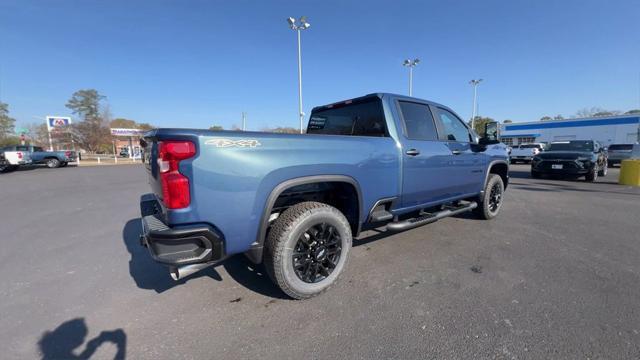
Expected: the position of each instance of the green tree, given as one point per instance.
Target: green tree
(546, 118)
(634, 111)
(91, 132)
(479, 124)
(558, 117)
(282, 130)
(216, 128)
(123, 124)
(507, 121)
(145, 126)
(7, 123)
(9, 140)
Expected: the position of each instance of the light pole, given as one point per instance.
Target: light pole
(304, 25)
(244, 121)
(475, 84)
(411, 64)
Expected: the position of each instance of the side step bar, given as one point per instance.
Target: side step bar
(430, 217)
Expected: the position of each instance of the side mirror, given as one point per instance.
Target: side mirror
(491, 134)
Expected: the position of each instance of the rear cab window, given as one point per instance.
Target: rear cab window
(357, 118)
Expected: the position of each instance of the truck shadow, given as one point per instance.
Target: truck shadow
(150, 275)
(64, 341)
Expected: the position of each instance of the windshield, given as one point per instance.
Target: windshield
(530, 146)
(362, 119)
(621, 147)
(571, 146)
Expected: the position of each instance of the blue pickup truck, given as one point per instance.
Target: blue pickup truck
(295, 201)
(52, 159)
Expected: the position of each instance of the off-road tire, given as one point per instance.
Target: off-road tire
(283, 236)
(484, 210)
(53, 163)
(592, 176)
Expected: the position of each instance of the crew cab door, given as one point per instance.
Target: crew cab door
(425, 159)
(466, 167)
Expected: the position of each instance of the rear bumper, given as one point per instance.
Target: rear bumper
(180, 245)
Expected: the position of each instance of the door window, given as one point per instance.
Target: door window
(454, 129)
(418, 121)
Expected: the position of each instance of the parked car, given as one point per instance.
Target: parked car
(124, 153)
(52, 159)
(573, 158)
(526, 152)
(14, 159)
(295, 201)
(619, 152)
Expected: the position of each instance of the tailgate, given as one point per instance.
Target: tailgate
(149, 145)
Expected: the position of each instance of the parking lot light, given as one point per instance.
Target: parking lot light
(411, 64)
(475, 84)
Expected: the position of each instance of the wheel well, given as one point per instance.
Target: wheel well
(341, 195)
(502, 170)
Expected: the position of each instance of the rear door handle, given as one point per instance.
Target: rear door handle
(413, 152)
(456, 152)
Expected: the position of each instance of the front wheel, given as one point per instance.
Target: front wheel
(490, 202)
(592, 176)
(307, 249)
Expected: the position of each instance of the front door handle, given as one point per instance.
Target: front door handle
(413, 152)
(456, 152)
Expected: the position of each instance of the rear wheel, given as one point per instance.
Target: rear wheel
(491, 201)
(53, 163)
(307, 249)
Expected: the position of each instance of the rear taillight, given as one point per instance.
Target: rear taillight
(175, 186)
(67, 154)
(19, 155)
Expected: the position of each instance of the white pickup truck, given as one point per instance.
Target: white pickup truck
(13, 159)
(526, 152)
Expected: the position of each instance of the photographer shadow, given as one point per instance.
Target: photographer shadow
(63, 341)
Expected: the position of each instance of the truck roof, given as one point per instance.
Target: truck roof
(379, 95)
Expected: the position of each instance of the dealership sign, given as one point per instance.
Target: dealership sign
(127, 132)
(56, 122)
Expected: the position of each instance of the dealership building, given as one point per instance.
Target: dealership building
(620, 129)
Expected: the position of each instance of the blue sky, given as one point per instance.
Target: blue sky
(198, 63)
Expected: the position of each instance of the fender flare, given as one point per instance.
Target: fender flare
(255, 252)
(492, 164)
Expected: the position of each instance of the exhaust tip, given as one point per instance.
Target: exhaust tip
(175, 273)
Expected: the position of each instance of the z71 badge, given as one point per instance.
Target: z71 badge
(224, 143)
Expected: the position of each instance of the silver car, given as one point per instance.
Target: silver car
(619, 152)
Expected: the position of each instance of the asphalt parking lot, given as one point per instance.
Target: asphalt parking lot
(557, 275)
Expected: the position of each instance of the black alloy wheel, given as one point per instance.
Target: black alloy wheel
(495, 198)
(317, 252)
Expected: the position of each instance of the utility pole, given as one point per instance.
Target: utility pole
(475, 84)
(304, 25)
